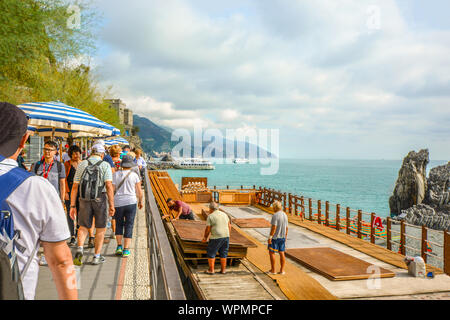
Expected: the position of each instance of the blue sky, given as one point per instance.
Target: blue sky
(350, 79)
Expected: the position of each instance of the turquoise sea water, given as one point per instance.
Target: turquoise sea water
(358, 184)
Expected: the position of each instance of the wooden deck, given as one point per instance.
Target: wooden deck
(368, 248)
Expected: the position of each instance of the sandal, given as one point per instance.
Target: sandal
(208, 272)
(272, 273)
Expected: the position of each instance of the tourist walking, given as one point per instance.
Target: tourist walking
(114, 152)
(71, 166)
(52, 170)
(142, 165)
(277, 237)
(128, 195)
(32, 209)
(182, 210)
(93, 178)
(218, 225)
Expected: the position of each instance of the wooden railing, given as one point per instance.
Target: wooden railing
(353, 223)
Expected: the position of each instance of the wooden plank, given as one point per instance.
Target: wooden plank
(335, 265)
(252, 223)
(194, 231)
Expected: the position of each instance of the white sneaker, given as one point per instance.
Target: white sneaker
(42, 261)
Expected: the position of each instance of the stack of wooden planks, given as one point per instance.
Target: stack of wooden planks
(252, 223)
(189, 235)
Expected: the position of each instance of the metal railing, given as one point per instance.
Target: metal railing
(165, 279)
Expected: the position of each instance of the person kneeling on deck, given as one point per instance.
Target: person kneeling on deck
(182, 209)
(31, 213)
(219, 226)
(278, 235)
(94, 177)
(127, 185)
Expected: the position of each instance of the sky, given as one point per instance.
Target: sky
(348, 79)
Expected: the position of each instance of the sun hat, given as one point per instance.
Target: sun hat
(13, 126)
(128, 162)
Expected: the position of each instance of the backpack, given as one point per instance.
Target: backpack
(91, 184)
(10, 275)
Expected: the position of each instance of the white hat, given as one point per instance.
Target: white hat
(98, 148)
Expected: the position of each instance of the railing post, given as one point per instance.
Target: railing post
(242, 187)
(447, 252)
(319, 211)
(310, 209)
(254, 187)
(302, 204)
(327, 213)
(402, 237)
(284, 196)
(372, 228)
(423, 251)
(359, 223)
(338, 218)
(290, 203)
(228, 187)
(388, 233)
(347, 214)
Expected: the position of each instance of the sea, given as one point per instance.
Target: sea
(359, 184)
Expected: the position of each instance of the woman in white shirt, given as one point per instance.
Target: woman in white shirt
(128, 195)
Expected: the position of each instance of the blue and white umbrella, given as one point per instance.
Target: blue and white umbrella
(113, 142)
(58, 119)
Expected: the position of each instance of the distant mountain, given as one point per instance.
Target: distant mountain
(157, 138)
(154, 137)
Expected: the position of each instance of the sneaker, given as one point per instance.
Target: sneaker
(72, 242)
(119, 251)
(91, 243)
(42, 261)
(78, 258)
(98, 260)
(126, 253)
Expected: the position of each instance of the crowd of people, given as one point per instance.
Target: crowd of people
(54, 205)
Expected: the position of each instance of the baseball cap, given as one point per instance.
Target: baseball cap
(98, 148)
(13, 126)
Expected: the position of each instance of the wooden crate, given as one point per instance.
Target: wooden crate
(201, 197)
(235, 198)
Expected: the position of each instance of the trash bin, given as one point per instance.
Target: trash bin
(416, 266)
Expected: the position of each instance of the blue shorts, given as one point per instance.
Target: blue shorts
(277, 245)
(220, 245)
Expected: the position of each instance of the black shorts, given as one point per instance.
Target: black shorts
(91, 209)
(189, 216)
(221, 245)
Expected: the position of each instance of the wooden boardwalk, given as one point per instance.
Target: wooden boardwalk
(368, 248)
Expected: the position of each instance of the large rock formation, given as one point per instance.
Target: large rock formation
(433, 210)
(438, 194)
(411, 183)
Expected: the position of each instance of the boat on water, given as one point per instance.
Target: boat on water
(193, 164)
(240, 161)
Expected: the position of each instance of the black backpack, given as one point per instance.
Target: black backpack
(91, 184)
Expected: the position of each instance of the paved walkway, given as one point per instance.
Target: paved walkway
(116, 279)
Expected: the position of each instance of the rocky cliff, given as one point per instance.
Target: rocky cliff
(418, 200)
(411, 183)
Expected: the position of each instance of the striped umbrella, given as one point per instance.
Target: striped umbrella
(58, 119)
(119, 140)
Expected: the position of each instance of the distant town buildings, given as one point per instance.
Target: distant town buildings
(125, 115)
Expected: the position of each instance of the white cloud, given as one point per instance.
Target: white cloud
(310, 68)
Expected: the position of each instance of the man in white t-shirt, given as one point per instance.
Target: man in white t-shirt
(37, 211)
